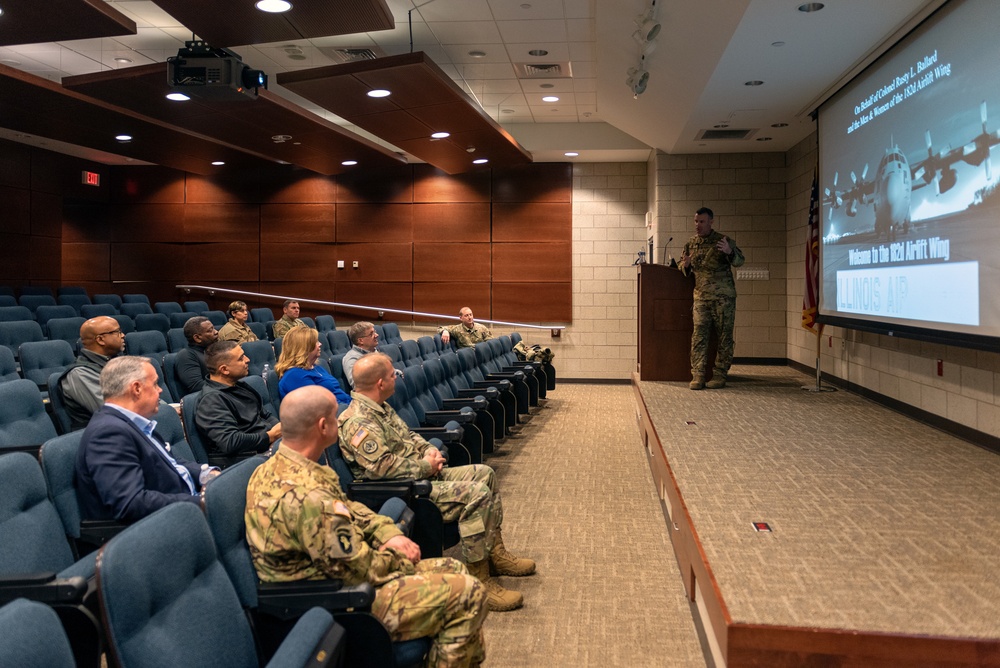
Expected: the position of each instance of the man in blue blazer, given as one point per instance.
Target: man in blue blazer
(123, 470)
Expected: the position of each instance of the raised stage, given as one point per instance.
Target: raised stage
(885, 541)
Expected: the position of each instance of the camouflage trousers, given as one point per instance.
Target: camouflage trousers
(717, 314)
(466, 494)
(440, 600)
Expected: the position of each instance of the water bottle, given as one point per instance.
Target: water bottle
(265, 371)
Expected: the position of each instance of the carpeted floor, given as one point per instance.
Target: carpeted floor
(579, 499)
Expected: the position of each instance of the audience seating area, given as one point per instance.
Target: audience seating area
(471, 400)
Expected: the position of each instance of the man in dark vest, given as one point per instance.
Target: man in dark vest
(102, 339)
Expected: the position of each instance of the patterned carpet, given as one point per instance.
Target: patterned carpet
(579, 499)
(880, 523)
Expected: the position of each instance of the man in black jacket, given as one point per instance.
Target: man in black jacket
(231, 417)
(190, 364)
(102, 340)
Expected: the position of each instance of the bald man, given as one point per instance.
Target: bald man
(468, 332)
(301, 526)
(102, 339)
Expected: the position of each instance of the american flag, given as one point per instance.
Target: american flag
(810, 297)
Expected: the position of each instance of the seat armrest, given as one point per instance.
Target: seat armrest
(439, 418)
(525, 369)
(487, 393)
(444, 434)
(43, 587)
(376, 492)
(500, 384)
(475, 403)
(289, 600)
(516, 375)
(99, 532)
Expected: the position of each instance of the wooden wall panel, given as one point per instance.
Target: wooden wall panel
(235, 186)
(385, 185)
(321, 290)
(537, 182)
(387, 262)
(220, 301)
(157, 290)
(514, 263)
(436, 262)
(146, 223)
(533, 302)
(374, 223)
(283, 223)
(46, 215)
(299, 186)
(15, 258)
(62, 175)
(150, 184)
(85, 222)
(433, 185)
(221, 222)
(451, 222)
(15, 216)
(298, 263)
(15, 164)
(387, 295)
(86, 262)
(535, 221)
(447, 298)
(46, 259)
(212, 263)
(147, 262)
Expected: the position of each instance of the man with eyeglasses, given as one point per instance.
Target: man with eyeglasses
(365, 339)
(102, 340)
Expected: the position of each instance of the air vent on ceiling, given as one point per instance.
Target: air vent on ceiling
(726, 134)
(343, 54)
(544, 70)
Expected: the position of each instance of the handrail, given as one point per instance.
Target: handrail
(376, 309)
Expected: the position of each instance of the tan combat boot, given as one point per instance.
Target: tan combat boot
(498, 599)
(697, 383)
(718, 380)
(503, 562)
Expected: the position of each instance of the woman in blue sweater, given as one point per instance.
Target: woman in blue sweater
(297, 366)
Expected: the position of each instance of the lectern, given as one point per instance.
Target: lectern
(665, 323)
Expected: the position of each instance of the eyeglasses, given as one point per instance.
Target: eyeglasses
(113, 331)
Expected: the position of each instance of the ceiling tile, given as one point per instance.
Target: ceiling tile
(465, 32)
(540, 32)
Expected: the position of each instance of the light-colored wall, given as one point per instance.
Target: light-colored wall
(967, 392)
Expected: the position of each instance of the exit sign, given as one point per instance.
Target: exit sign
(91, 178)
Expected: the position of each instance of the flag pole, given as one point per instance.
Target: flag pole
(810, 296)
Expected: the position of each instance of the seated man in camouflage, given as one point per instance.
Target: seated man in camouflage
(467, 333)
(301, 526)
(289, 318)
(378, 445)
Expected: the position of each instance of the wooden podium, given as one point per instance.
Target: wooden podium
(665, 323)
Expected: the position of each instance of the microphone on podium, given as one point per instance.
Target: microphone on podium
(672, 262)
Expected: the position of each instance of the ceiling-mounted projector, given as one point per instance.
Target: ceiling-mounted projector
(203, 71)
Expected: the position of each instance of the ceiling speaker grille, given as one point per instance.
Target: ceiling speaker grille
(351, 55)
(544, 70)
(726, 134)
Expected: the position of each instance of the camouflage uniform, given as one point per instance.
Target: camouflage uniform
(234, 331)
(282, 326)
(301, 526)
(468, 338)
(378, 445)
(714, 299)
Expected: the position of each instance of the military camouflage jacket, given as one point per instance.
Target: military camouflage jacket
(468, 338)
(234, 331)
(378, 445)
(301, 526)
(713, 276)
(282, 326)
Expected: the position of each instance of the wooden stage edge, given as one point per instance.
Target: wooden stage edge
(741, 645)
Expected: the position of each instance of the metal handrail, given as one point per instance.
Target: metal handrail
(378, 310)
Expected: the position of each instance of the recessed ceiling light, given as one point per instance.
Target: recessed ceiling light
(550, 98)
(720, 126)
(538, 53)
(349, 163)
(280, 139)
(123, 59)
(763, 139)
(123, 138)
(779, 125)
(218, 163)
(506, 111)
(526, 5)
(441, 135)
(177, 97)
(811, 7)
(480, 161)
(477, 54)
(378, 92)
(546, 85)
(273, 6)
(777, 43)
(755, 82)
(571, 154)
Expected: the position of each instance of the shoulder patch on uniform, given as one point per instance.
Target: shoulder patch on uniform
(359, 436)
(369, 447)
(344, 538)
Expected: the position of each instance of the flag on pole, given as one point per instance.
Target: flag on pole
(810, 297)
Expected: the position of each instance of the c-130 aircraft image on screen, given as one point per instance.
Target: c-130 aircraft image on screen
(896, 178)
